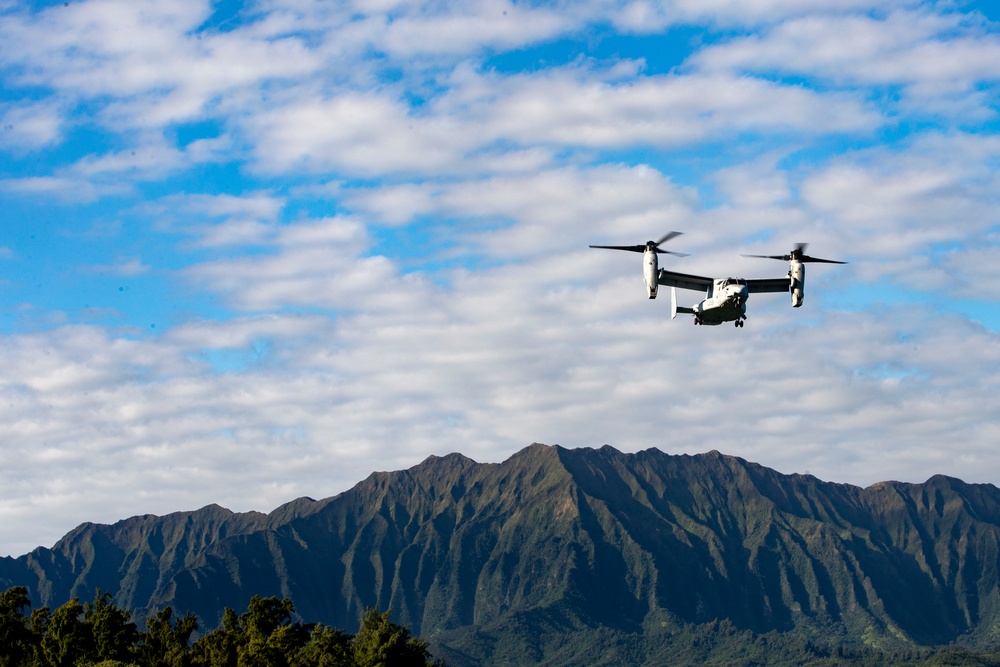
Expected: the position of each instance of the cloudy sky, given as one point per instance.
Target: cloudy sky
(255, 251)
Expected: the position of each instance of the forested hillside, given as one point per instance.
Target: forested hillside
(591, 556)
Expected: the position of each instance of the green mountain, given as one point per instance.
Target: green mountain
(560, 556)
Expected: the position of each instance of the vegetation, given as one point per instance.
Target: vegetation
(719, 644)
(553, 557)
(100, 634)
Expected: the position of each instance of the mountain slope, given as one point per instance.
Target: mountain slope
(560, 555)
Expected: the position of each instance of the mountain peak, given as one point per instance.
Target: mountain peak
(554, 540)
(453, 460)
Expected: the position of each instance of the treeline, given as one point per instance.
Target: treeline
(98, 633)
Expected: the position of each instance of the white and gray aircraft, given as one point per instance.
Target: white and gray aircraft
(726, 298)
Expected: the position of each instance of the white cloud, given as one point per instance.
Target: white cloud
(428, 30)
(317, 264)
(892, 206)
(364, 134)
(115, 173)
(258, 205)
(374, 134)
(130, 267)
(222, 220)
(65, 188)
(972, 272)
(239, 333)
(144, 56)
(30, 126)
(474, 27)
(382, 244)
(757, 184)
(91, 46)
(563, 108)
(756, 12)
(939, 64)
(546, 213)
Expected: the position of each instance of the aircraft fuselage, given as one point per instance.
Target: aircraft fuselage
(726, 303)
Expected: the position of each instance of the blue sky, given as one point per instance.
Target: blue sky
(254, 251)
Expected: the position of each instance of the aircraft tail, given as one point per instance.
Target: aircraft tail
(674, 308)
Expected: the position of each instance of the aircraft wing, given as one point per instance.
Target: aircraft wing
(686, 281)
(757, 285)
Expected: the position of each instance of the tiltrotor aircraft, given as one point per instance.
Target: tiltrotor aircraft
(726, 298)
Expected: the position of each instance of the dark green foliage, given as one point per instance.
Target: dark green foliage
(112, 632)
(67, 639)
(264, 636)
(381, 643)
(16, 637)
(221, 646)
(100, 634)
(327, 647)
(166, 640)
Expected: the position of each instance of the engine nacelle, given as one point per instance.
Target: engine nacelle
(651, 272)
(797, 282)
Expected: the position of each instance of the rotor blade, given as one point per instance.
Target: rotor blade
(667, 237)
(807, 258)
(630, 248)
(798, 253)
(649, 245)
(671, 252)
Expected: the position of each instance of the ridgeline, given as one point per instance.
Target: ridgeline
(583, 556)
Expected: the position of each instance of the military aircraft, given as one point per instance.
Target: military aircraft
(726, 298)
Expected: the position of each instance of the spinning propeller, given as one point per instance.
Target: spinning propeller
(649, 245)
(798, 254)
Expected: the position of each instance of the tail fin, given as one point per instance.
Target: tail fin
(674, 308)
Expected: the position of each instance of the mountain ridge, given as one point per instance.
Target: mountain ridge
(479, 557)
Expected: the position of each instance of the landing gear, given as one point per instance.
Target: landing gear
(738, 324)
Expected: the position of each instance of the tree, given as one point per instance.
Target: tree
(219, 648)
(39, 626)
(16, 639)
(327, 647)
(264, 636)
(66, 640)
(271, 637)
(166, 640)
(381, 643)
(113, 633)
